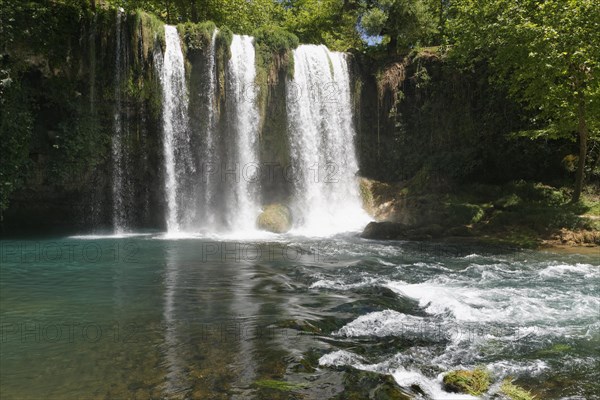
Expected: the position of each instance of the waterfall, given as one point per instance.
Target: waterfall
(241, 190)
(199, 207)
(175, 124)
(223, 181)
(120, 186)
(210, 158)
(322, 150)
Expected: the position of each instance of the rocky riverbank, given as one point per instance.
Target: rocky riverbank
(523, 214)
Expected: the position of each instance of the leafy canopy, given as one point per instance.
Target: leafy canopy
(402, 22)
(545, 51)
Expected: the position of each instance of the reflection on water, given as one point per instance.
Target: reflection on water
(137, 317)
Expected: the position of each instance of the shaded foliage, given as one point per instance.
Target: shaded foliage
(546, 54)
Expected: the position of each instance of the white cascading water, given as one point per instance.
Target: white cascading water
(323, 153)
(211, 127)
(242, 190)
(175, 124)
(321, 135)
(119, 216)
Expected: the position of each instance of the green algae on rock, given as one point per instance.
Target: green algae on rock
(514, 392)
(275, 218)
(474, 382)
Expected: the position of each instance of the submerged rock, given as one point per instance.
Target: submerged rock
(370, 385)
(275, 218)
(279, 385)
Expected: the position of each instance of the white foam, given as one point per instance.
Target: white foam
(432, 387)
(109, 236)
(516, 368)
(249, 235)
(501, 304)
(340, 358)
(339, 284)
(388, 264)
(555, 271)
(404, 377)
(382, 323)
(469, 256)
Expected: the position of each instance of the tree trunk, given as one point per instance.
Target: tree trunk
(583, 136)
(205, 11)
(597, 163)
(442, 23)
(195, 12)
(393, 44)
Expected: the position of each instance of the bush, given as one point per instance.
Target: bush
(275, 39)
(273, 51)
(196, 37)
(223, 44)
(464, 214)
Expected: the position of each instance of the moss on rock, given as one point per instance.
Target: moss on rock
(366, 195)
(152, 28)
(275, 218)
(196, 37)
(474, 382)
(222, 55)
(464, 214)
(273, 48)
(515, 392)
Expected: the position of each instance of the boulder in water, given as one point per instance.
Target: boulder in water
(398, 231)
(358, 384)
(515, 392)
(385, 230)
(474, 382)
(275, 218)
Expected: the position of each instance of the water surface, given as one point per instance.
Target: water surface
(148, 316)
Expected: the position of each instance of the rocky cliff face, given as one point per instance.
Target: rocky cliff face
(424, 112)
(94, 78)
(61, 96)
(65, 86)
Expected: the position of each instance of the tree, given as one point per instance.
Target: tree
(242, 16)
(547, 53)
(330, 22)
(402, 22)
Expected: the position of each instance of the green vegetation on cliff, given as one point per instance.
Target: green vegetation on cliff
(485, 103)
(15, 132)
(273, 54)
(547, 54)
(518, 213)
(196, 37)
(273, 46)
(58, 91)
